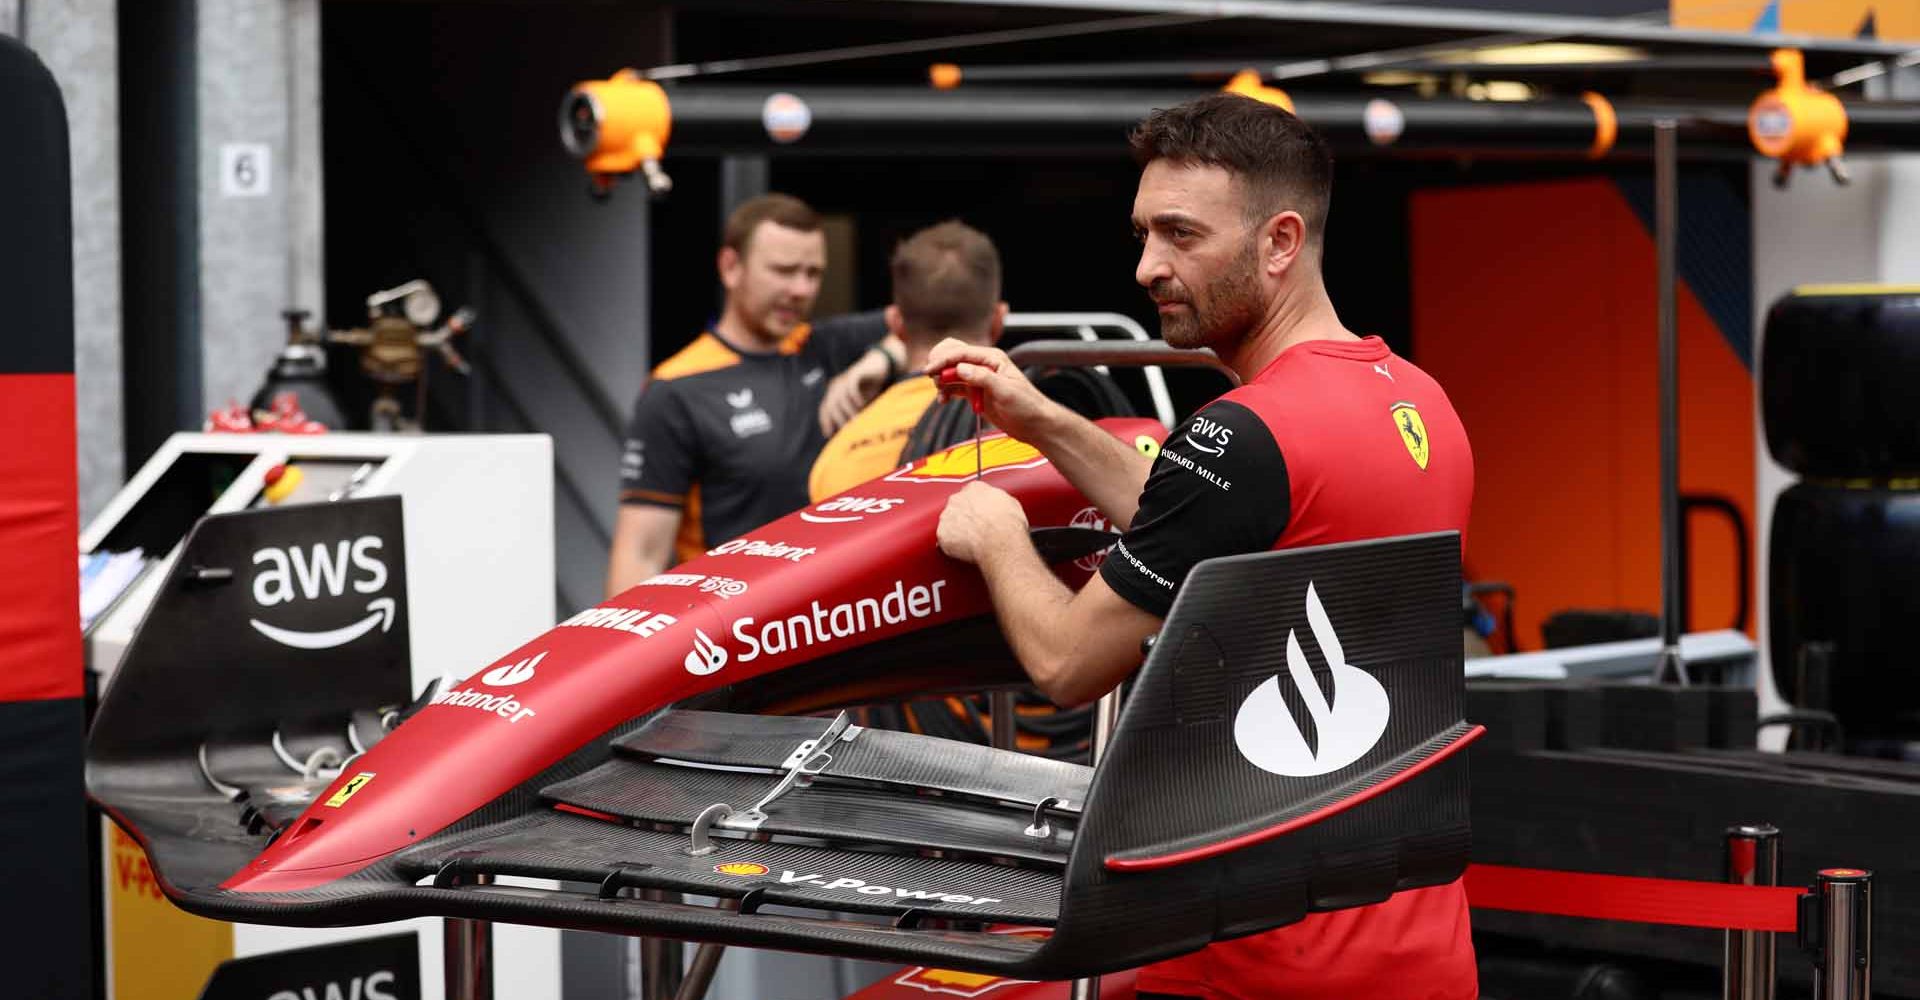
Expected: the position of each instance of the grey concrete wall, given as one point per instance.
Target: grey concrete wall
(445, 163)
(260, 249)
(78, 40)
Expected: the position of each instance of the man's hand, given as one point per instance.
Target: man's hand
(850, 391)
(1007, 399)
(977, 518)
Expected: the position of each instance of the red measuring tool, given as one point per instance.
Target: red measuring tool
(950, 379)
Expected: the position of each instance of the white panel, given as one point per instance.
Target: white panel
(479, 523)
(1814, 232)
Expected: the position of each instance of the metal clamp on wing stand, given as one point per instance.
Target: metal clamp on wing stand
(1285, 689)
(805, 762)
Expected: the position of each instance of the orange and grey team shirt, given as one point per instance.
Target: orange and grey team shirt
(728, 436)
(869, 445)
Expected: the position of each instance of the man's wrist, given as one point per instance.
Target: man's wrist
(1001, 550)
(1051, 426)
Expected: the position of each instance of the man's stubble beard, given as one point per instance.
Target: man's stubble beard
(1232, 308)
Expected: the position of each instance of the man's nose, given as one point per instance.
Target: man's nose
(1152, 267)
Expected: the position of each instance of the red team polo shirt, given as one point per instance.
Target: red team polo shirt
(1335, 441)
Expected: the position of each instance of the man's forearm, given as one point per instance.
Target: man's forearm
(628, 568)
(1032, 606)
(1109, 472)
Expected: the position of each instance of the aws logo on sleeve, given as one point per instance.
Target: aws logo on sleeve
(1213, 436)
(309, 581)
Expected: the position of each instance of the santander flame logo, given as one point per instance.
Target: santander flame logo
(1347, 726)
(707, 656)
(508, 674)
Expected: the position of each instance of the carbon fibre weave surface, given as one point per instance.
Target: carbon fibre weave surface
(877, 755)
(666, 793)
(577, 848)
(1175, 779)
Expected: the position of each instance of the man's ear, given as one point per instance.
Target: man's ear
(997, 325)
(1284, 240)
(896, 324)
(730, 265)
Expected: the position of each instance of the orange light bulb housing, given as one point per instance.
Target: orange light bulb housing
(616, 124)
(1247, 83)
(1796, 123)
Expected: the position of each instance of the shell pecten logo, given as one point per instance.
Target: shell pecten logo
(958, 464)
(741, 868)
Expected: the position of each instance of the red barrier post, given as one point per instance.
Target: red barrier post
(1753, 858)
(1837, 923)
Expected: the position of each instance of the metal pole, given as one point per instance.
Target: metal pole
(468, 956)
(660, 960)
(1666, 203)
(1106, 716)
(1843, 968)
(1753, 858)
(1000, 704)
(706, 961)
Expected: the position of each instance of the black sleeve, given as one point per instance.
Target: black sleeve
(1219, 487)
(660, 460)
(841, 340)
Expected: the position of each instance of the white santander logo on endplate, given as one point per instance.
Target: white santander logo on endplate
(1264, 729)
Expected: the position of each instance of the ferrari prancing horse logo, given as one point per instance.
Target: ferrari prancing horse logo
(1413, 431)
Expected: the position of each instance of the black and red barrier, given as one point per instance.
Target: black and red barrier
(47, 950)
(1832, 920)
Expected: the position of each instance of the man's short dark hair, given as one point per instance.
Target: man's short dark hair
(1280, 161)
(946, 279)
(779, 209)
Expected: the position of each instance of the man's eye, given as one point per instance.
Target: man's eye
(1182, 233)
(1139, 235)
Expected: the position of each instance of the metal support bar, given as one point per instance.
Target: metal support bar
(721, 119)
(660, 966)
(706, 961)
(1106, 717)
(468, 955)
(1753, 858)
(1079, 353)
(1843, 962)
(1087, 325)
(1000, 704)
(1666, 197)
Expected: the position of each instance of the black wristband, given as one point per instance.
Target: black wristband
(893, 367)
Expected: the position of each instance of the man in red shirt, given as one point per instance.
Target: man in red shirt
(1330, 438)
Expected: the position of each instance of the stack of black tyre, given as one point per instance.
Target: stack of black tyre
(1840, 396)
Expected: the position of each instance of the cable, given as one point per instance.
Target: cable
(1867, 71)
(681, 71)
